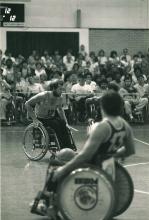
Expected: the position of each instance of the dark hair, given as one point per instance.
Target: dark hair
(81, 75)
(140, 76)
(128, 77)
(112, 103)
(1, 70)
(113, 86)
(113, 52)
(88, 74)
(137, 68)
(103, 81)
(57, 72)
(55, 83)
(109, 75)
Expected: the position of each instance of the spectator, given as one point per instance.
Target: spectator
(114, 59)
(21, 84)
(145, 66)
(88, 68)
(126, 55)
(141, 86)
(70, 80)
(33, 88)
(83, 51)
(5, 96)
(117, 78)
(137, 72)
(132, 100)
(140, 55)
(1, 55)
(31, 59)
(69, 60)
(56, 75)
(8, 55)
(109, 78)
(19, 59)
(43, 81)
(102, 59)
(134, 61)
(57, 58)
(92, 57)
(39, 70)
(89, 81)
(8, 72)
(81, 91)
(76, 68)
(102, 87)
(45, 57)
(25, 70)
(49, 68)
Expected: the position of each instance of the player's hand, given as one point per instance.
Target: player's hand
(36, 122)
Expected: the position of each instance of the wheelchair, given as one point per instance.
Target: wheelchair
(10, 112)
(103, 191)
(37, 141)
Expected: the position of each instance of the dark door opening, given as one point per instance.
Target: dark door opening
(24, 42)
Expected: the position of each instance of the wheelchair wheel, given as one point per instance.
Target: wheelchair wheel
(124, 190)
(35, 142)
(86, 193)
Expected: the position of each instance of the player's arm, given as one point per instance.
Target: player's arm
(129, 141)
(62, 114)
(97, 137)
(30, 104)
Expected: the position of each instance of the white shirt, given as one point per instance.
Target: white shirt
(141, 89)
(78, 89)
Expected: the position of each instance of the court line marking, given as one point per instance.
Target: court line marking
(143, 142)
(140, 191)
(136, 164)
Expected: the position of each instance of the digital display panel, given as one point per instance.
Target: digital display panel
(11, 15)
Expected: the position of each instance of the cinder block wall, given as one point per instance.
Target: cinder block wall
(135, 40)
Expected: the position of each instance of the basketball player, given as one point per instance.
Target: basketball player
(46, 108)
(106, 137)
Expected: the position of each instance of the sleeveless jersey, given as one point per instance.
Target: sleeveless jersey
(48, 106)
(114, 142)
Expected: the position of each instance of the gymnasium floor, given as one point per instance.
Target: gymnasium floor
(22, 179)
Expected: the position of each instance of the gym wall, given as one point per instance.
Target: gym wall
(106, 18)
(94, 13)
(116, 39)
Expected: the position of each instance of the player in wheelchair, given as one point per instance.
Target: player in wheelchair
(46, 109)
(91, 183)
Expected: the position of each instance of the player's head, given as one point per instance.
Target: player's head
(112, 103)
(56, 86)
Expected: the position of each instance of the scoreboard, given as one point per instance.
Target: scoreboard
(12, 15)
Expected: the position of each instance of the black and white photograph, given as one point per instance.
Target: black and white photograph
(74, 109)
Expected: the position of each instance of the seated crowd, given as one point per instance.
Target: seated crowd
(86, 77)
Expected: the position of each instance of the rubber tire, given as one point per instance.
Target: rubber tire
(122, 176)
(45, 149)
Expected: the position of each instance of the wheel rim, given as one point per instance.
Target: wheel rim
(32, 149)
(97, 200)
